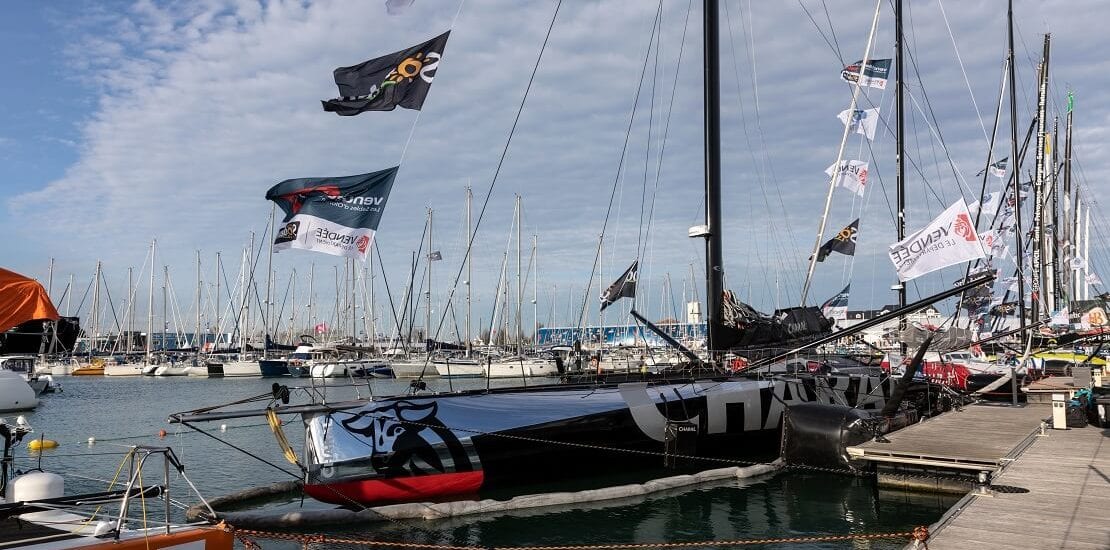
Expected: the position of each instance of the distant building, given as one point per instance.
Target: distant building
(620, 335)
(885, 335)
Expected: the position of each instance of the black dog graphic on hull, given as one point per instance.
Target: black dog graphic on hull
(399, 435)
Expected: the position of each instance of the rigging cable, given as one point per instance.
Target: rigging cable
(497, 171)
(766, 164)
(617, 177)
(666, 128)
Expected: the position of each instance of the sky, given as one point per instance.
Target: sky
(125, 122)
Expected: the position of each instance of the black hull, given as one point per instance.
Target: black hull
(435, 447)
(28, 337)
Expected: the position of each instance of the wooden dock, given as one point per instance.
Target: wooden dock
(1040, 391)
(978, 438)
(1055, 495)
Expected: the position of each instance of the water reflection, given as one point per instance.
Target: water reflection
(785, 505)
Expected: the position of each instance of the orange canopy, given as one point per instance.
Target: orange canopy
(22, 300)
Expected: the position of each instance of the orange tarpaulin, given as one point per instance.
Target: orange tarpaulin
(22, 300)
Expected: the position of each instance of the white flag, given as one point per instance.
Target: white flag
(989, 206)
(1093, 280)
(1009, 219)
(947, 240)
(993, 244)
(862, 121)
(988, 239)
(851, 176)
(1078, 263)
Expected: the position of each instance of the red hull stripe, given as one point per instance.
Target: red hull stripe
(398, 489)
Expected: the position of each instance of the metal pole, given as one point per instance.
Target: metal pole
(536, 293)
(469, 271)
(130, 312)
(428, 293)
(1068, 225)
(219, 272)
(1086, 253)
(50, 279)
(1038, 278)
(150, 304)
(714, 263)
(519, 281)
(196, 328)
(268, 321)
(1052, 288)
(839, 158)
(1015, 171)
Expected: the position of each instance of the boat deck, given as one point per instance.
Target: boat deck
(16, 534)
(976, 438)
(1055, 495)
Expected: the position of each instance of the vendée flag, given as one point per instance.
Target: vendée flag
(874, 75)
(837, 306)
(336, 216)
(852, 175)
(947, 240)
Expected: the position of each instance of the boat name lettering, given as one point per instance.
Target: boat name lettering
(750, 406)
(328, 235)
(930, 242)
(368, 201)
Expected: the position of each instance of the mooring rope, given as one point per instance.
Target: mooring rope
(919, 535)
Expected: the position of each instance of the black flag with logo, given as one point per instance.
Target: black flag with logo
(844, 242)
(381, 84)
(622, 288)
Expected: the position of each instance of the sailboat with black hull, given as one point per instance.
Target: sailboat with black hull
(423, 446)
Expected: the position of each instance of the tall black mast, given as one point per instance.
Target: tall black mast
(1014, 172)
(900, 108)
(714, 269)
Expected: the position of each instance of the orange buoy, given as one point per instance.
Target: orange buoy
(161, 434)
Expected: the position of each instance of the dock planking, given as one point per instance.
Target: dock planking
(977, 437)
(1063, 482)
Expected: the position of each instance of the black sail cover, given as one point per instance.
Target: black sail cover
(743, 326)
(400, 79)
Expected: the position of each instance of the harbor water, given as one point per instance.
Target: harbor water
(125, 411)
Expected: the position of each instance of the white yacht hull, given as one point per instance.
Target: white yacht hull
(459, 369)
(234, 369)
(15, 393)
(131, 369)
(329, 370)
(412, 369)
(516, 368)
(172, 370)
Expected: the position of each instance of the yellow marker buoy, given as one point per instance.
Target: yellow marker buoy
(40, 444)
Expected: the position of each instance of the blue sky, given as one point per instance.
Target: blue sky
(128, 121)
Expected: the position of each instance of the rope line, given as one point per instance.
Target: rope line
(918, 534)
